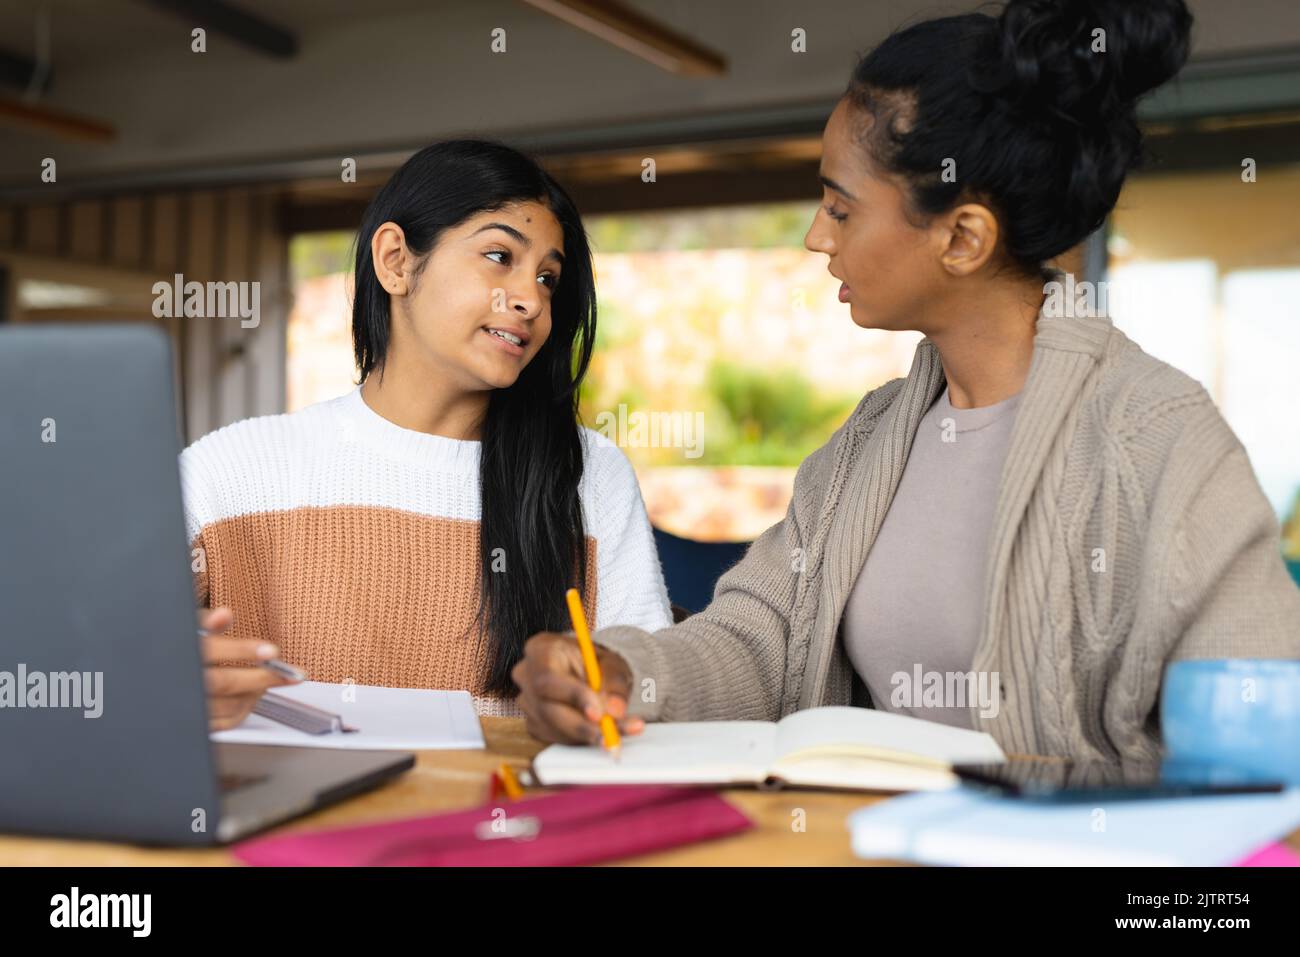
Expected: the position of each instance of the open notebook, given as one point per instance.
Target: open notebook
(843, 748)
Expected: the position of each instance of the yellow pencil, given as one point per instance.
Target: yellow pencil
(509, 782)
(608, 729)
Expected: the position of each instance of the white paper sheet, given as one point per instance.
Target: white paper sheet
(389, 719)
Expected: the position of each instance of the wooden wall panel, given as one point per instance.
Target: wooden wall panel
(126, 231)
(85, 237)
(233, 340)
(41, 229)
(202, 362)
(164, 234)
(160, 251)
(272, 257)
(224, 370)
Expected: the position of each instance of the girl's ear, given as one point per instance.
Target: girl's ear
(969, 235)
(391, 258)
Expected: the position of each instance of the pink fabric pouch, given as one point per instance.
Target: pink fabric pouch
(578, 826)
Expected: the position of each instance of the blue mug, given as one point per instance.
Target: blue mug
(1239, 714)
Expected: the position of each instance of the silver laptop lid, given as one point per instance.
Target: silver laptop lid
(103, 723)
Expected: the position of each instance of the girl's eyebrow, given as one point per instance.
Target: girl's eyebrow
(521, 239)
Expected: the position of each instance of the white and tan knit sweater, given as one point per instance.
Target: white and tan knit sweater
(352, 543)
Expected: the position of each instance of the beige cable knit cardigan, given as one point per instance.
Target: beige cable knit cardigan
(1112, 449)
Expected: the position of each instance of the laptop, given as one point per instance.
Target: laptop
(103, 713)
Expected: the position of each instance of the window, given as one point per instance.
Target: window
(1205, 274)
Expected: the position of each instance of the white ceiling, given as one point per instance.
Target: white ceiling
(394, 74)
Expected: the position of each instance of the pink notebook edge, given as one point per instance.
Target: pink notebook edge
(1275, 854)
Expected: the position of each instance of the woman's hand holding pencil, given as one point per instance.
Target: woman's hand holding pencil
(572, 696)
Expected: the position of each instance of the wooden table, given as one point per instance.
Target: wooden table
(455, 780)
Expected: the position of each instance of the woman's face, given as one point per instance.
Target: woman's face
(888, 267)
(480, 309)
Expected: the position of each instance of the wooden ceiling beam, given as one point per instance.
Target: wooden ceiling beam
(46, 119)
(630, 30)
(245, 28)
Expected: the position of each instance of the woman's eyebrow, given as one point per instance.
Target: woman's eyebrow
(521, 239)
(831, 184)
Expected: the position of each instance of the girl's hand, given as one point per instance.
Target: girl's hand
(233, 691)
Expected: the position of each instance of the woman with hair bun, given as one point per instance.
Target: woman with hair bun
(1025, 531)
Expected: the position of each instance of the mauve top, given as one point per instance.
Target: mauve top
(912, 621)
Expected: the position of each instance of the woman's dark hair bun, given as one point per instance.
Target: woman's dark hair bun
(1085, 59)
(1037, 108)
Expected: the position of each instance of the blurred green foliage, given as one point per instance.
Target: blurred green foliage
(767, 417)
(766, 226)
(320, 254)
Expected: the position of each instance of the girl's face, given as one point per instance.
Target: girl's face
(889, 268)
(480, 308)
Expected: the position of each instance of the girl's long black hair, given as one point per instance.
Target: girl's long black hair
(531, 443)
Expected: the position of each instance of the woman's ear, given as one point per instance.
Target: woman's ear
(970, 235)
(391, 258)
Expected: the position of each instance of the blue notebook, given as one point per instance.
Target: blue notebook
(968, 827)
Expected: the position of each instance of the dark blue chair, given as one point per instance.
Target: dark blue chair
(692, 569)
